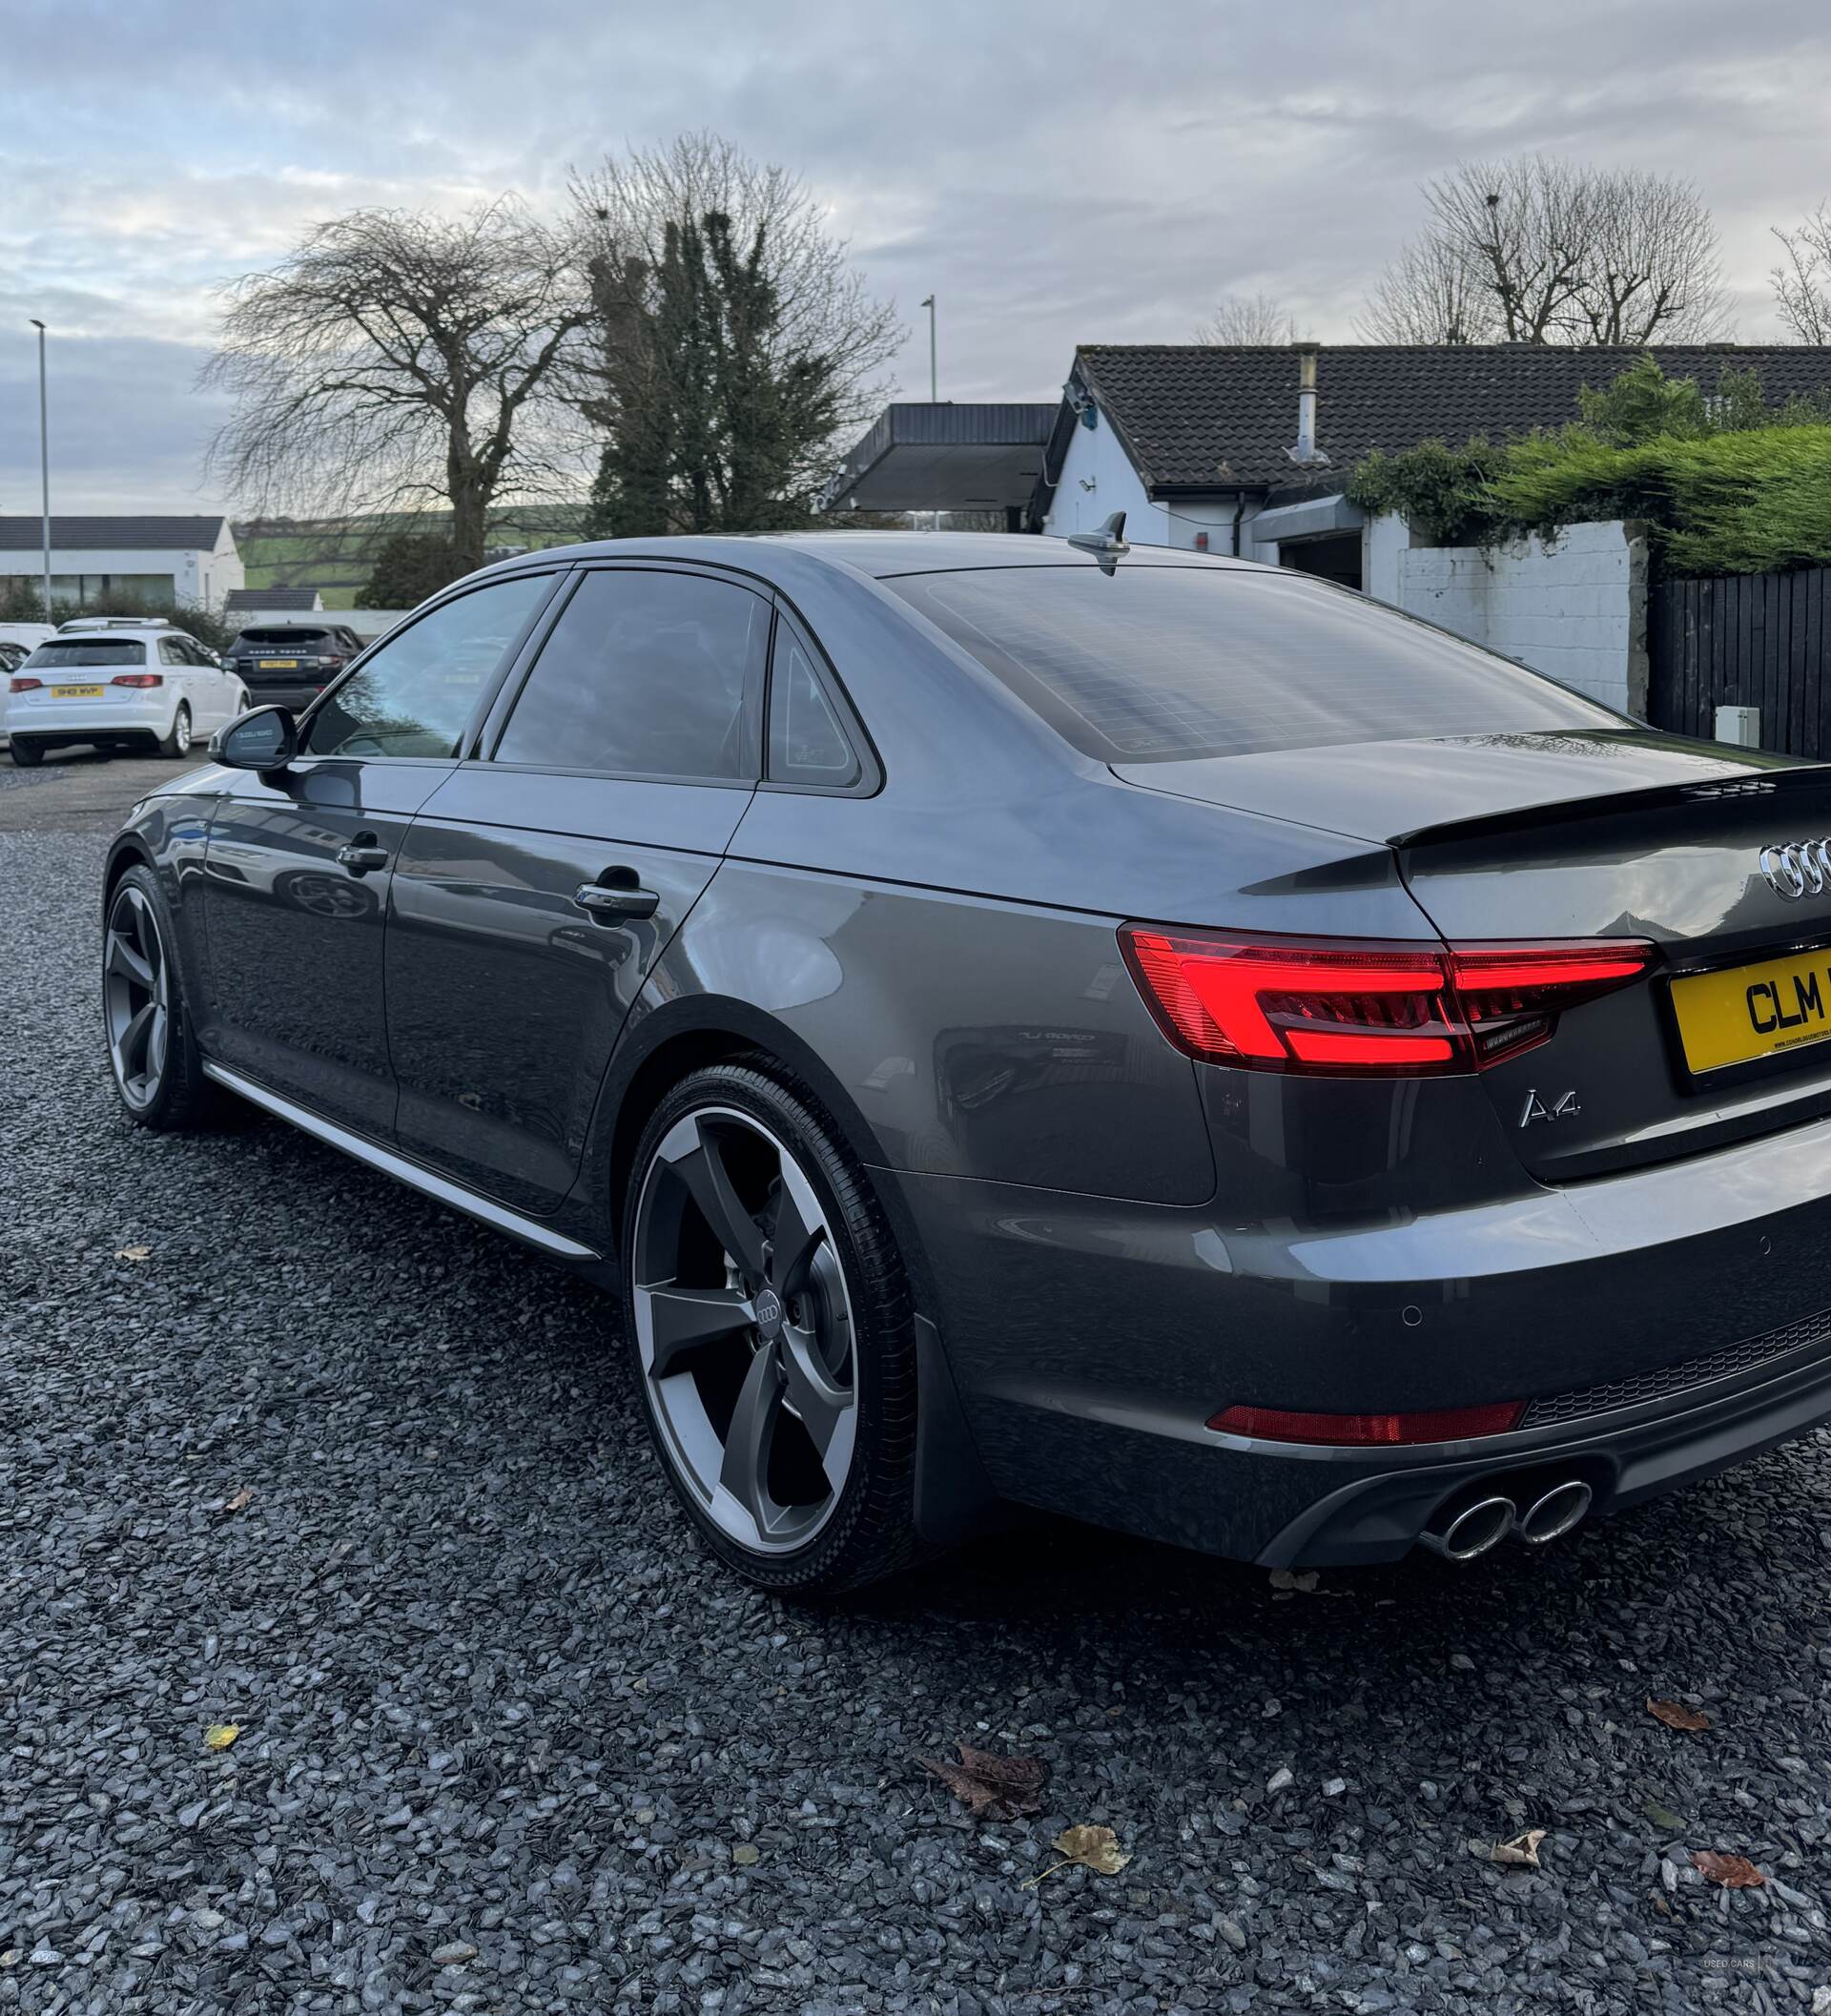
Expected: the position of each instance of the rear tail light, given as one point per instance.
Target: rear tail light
(140, 679)
(1310, 1006)
(23, 686)
(1446, 1424)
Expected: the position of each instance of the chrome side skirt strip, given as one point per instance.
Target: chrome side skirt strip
(526, 1229)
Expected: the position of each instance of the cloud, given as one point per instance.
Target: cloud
(1054, 172)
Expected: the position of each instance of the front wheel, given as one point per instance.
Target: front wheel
(770, 1318)
(179, 742)
(150, 1049)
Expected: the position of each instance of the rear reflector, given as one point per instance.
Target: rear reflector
(1449, 1424)
(1325, 1005)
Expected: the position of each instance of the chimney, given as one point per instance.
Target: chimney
(1307, 454)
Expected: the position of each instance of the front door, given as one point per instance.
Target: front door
(298, 864)
(538, 887)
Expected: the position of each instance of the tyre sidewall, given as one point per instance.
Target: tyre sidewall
(871, 1530)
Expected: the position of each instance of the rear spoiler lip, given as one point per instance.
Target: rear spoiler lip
(1732, 787)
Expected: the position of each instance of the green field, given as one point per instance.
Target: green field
(334, 555)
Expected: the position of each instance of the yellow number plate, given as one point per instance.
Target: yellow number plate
(1747, 1012)
(278, 665)
(76, 693)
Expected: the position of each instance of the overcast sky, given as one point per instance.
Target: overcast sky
(1056, 172)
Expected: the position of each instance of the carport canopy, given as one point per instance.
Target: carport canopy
(944, 458)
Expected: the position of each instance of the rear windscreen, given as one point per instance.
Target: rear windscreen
(1153, 664)
(292, 640)
(89, 650)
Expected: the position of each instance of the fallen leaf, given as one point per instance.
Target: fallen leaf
(1662, 1816)
(240, 1502)
(745, 1853)
(1677, 1716)
(134, 1253)
(990, 1785)
(220, 1735)
(1095, 1848)
(1519, 1853)
(1735, 1872)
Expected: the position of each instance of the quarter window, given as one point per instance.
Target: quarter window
(808, 741)
(648, 674)
(414, 696)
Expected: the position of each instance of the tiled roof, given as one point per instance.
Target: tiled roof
(103, 535)
(239, 599)
(1208, 416)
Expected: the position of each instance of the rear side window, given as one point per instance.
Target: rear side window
(648, 676)
(807, 740)
(89, 650)
(1154, 663)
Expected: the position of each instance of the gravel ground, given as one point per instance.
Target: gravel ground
(337, 1468)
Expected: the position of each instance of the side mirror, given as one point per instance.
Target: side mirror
(265, 738)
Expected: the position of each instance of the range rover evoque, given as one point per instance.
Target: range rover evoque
(1084, 1028)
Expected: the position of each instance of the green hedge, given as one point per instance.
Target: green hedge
(1724, 485)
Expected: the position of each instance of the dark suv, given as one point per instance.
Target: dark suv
(290, 664)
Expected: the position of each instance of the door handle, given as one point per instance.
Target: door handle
(359, 859)
(610, 900)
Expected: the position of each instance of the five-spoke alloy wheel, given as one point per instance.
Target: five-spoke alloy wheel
(136, 1001)
(150, 1049)
(770, 1329)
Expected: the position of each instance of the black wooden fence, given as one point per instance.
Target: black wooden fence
(1744, 640)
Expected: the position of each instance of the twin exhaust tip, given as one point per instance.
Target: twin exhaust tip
(1469, 1531)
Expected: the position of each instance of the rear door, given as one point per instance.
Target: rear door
(543, 879)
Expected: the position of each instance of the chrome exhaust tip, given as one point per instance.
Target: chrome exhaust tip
(1482, 1524)
(1551, 1515)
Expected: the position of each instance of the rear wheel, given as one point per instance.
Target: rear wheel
(179, 742)
(770, 1317)
(150, 1049)
(27, 754)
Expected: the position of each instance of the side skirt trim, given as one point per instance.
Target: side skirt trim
(496, 1216)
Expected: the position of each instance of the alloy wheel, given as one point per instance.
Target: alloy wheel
(744, 1329)
(181, 731)
(136, 996)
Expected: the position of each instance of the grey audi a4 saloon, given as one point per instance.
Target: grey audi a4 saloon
(1094, 1030)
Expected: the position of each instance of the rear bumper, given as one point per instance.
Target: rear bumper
(94, 720)
(1091, 1342)
(295, 696)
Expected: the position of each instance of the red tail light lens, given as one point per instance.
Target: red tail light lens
(138, 679)
(1446, 1424)
(17, 684)
(1305, 1005)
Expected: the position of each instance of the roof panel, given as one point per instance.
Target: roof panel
(103, 535)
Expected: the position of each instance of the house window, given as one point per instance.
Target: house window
(91, 588)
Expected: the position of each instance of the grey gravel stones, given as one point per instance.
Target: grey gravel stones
(503, 1726)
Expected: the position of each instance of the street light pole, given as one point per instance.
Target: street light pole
(933, 381)
(44, 458)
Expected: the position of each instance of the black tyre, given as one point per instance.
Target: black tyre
(179, 742)
(150, 1049)
(769, 1316)
(26, 754)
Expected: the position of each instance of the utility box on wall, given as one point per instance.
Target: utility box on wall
(1740, 724)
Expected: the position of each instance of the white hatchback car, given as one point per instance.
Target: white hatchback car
(118, 683)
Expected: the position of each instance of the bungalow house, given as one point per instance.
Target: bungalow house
(1224, 449)
(189, 560)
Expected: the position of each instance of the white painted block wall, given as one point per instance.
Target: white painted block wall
(1573, 606)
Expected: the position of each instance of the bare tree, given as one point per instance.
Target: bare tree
(401, 359)
(1538, 249)
(1429, 295)
(1252, 320)
(735, 349)
(1803, 280)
